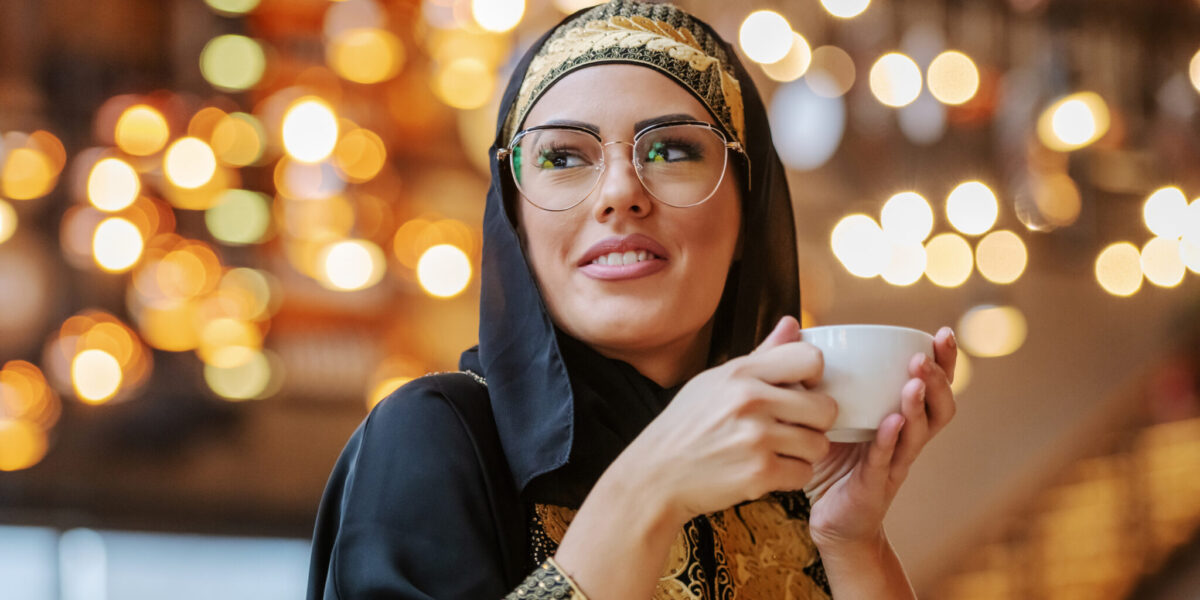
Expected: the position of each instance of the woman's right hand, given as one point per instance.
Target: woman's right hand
(737, 431)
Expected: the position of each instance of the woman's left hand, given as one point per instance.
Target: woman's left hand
(853, 486)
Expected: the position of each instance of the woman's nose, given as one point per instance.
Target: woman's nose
(620, 190)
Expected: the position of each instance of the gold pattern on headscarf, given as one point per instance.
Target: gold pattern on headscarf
(629, 33)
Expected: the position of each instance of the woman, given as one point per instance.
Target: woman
(636, 421)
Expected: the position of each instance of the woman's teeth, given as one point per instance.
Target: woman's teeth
(623, 258)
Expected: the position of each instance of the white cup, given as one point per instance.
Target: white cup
(865, 368)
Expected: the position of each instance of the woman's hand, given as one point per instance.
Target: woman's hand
(737, 431)
(854, 484)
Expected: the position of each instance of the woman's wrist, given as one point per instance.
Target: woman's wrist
(624, 526)
(864, 568)
(867, 550)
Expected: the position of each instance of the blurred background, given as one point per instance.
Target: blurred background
(229, 227)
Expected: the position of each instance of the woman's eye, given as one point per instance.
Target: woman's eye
(559, 159)
(670, 152)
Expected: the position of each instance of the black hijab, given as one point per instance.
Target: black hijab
(564, 411)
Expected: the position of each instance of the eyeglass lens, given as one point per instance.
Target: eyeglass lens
(680, 165)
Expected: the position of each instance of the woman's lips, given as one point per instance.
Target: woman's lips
(641, 268)
(627, 257)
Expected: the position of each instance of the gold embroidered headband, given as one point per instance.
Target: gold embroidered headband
(660, 36)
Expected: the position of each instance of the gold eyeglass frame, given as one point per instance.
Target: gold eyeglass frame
(507, 153)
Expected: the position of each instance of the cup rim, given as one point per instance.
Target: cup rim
(868, 326)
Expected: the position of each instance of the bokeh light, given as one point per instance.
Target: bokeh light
(895, 79)
(190, 163)
(497, 15)
(22, 444)
(859, 243)
(233, 62)
(845, 9)
(444, 271)
(1165, 212)
(972, 208)
(8, 221)
(794, 64)
(962, 372)
(233, 7)
(117, 244)
(465, 83)
(26, 395)
(239, 139)
(1073, 122)
(1057, 199)
(831, 73)
(907, 217)
(765, 36)
(228, 343)
(1162, 263)
(1194, 70)
(96, 376)
(26, 174)
(352, 265)
(1119, 269)
(1189, 244)
(383, 389)
(141, 130)
(365, 55)
(570, 6)
(112, 185)
(807, 127)
(990, 331)
(1001, 257)
(310, 130)
(246, 381)
(1189, 254)
(239, 217)
(360, 155)
(953, 78)
(907, 261)
(949, 261)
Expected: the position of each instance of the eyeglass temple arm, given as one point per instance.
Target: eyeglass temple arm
(740, 150)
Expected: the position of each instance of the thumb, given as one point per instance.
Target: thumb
(786, 331)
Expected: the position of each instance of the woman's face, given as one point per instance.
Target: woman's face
(632, 310)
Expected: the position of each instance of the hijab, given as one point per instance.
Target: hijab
(563, 411)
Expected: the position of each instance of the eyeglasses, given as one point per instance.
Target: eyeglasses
(680, 163)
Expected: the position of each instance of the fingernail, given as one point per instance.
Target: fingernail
(953, 342)
(924, 364)
(921, 392)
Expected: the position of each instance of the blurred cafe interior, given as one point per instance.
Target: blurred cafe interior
(229, 227)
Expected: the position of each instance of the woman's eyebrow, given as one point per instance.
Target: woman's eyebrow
(571, 123)
(640, 125)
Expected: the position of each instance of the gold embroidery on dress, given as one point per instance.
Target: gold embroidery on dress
(759, 550)
(767, 551)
